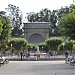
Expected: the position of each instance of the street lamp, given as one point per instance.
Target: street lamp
(11, 49)
(63, 47)
(31, 48)
(42, 49)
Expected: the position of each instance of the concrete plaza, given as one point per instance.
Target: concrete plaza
(42, 58)
(37, 68)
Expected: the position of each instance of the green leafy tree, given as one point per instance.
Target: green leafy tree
(30, 47)
(18, 44)
(43, 47)
(68, 45)
(1, 27)
(64, 10)
(16, 18)
(53, 43)
(5, 32)
(41, 16)
(67, 25)
(46, 15)
(2, 13)
(73, 46)
(20, 32)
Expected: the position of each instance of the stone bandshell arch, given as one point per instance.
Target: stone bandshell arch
(39, 28)
(36, 38)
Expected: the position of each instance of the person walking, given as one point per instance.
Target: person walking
(21, 55)
(35, 57)
(28, 55)
(66, 54)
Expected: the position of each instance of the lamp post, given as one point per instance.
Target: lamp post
(31, 48)
(11, 49)
(42, 49)
(63, 47)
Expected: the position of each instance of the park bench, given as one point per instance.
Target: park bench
(3, 61)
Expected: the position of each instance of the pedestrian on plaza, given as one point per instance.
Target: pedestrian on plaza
(35, 57)
(50, 53)
(28, 55)
(21, 55)
(66, 54)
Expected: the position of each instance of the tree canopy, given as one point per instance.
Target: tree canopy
(67, 25)
(46, 15)
(5, 31)
(18, 43)
(15, 15)
(1, 27)
(53, 43)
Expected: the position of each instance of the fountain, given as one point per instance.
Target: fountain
(37, 50)
(38, 53)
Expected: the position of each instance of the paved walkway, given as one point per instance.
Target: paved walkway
(37, 68)
(42, 58)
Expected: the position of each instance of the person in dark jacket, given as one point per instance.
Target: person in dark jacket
(66, 54)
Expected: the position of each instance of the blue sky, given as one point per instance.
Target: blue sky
(35, 5)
